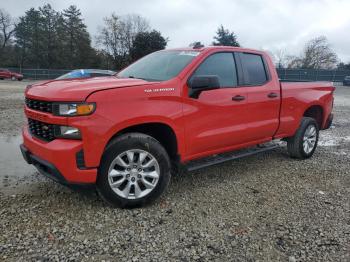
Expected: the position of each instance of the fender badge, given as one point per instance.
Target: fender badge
(159, 90)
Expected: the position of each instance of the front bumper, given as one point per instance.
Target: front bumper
(57, 159)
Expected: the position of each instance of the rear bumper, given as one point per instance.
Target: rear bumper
(57, 159)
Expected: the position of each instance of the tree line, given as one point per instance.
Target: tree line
(46, 38)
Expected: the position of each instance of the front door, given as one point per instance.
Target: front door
(216, 119)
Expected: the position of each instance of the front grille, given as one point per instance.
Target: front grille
(43, 106)
(41, 130)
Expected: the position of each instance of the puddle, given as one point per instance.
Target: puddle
(14, 170)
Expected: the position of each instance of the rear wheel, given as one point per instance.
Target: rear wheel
(135, 170)
(303, 144)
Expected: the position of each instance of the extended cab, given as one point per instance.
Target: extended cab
(182, 108)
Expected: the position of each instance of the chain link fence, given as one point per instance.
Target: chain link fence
(283, 73)
(40, 74)
(312, 74)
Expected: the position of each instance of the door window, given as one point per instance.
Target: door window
(221, 65)
(253, 65)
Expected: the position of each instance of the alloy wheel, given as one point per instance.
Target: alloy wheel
(309, 139)
(133, 174)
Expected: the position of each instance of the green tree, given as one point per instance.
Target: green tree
(28, 38)
(22, 40)
(225, 37)
(46, 38)
(147, 42)
(343, 66)
(77, 39)
(51, 21)
(196, 44)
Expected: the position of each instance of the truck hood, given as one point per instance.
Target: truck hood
(78, 89)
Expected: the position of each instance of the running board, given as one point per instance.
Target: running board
(220, 158)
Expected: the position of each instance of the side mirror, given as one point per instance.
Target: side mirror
(198, 84)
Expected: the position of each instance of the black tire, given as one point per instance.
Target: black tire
(295, 144)
(127, 142)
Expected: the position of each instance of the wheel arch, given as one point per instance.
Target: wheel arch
(163, 132)
(316, 112)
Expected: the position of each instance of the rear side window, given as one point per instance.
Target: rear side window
(222, 65)
(254, 68)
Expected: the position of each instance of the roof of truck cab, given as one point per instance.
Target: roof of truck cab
(218, 48)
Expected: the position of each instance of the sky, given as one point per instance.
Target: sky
(271, 25)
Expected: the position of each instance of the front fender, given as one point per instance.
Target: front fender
(118, 109)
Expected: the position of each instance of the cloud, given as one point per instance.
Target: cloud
(269, 24)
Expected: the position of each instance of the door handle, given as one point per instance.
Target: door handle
(238, 98)
(272, 95)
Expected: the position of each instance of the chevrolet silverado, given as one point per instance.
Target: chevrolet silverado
(169, 111)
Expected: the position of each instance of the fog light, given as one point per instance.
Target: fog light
(68, 132)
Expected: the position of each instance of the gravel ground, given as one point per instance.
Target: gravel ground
(262, 208)
(11, 106)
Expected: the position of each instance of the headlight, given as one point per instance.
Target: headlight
(73, 109)
(67, 132)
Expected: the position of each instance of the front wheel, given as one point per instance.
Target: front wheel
(134, 171)
(303, 144)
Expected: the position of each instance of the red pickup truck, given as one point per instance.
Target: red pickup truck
(171, 110)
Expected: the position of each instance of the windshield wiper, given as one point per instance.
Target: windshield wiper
(136, 77)
(146, 79)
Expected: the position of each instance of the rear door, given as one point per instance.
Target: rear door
(216, 119)
(263, 94)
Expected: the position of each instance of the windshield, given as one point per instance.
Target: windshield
(159, 66)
